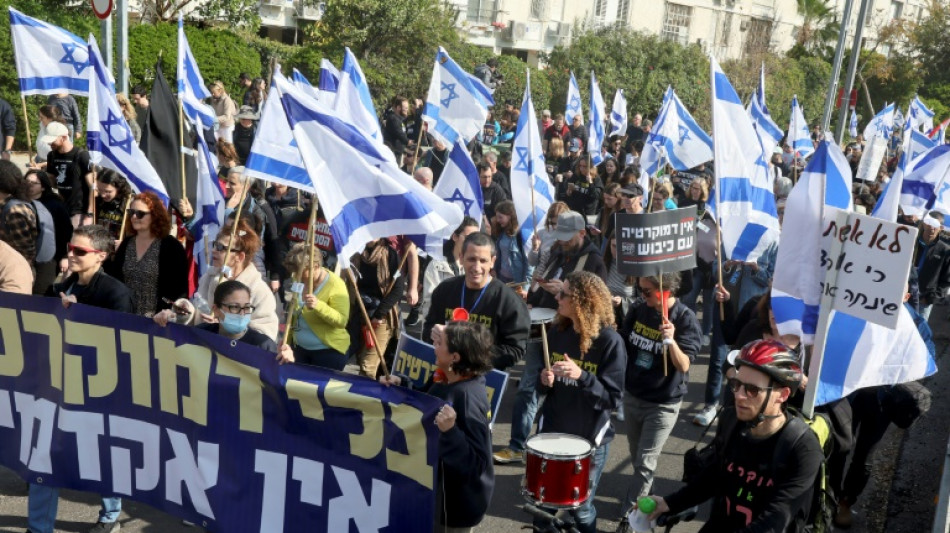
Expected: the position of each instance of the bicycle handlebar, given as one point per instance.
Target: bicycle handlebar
(541, 514)
(670, 520)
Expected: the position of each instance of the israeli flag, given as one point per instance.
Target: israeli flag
(675, 138)
(329, 77)
(353, 102)
(456, 108)
(49, 59)
(573, 100)
(882, 124)
(919, 115)
(458, 185)
(853, 125)
(745, 203)
(108, 135)
(595, 126)
(795, 284)
(274, 155)
(191, 86)
(618, 115)
(768, 131)
(531, 189)
(363, 195)
(304, 84)
(925, 181)
(798, 135)
(209, 208)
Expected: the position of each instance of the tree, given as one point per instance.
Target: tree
(164, 10)
(242, 14)
(819, 28)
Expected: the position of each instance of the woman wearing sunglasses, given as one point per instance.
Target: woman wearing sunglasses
(774, 492)
(660, 350)
(232, 308)
(239, 267)
(149, 261)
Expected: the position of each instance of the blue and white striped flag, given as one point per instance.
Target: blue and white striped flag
(925, 180)
(618, 115)
(530, 186)
(363, 195)
(881, 125)
(919, 115)
(888, 204)
(191, 86)
(456, 106)
(675, 138)
(745, 203)
(799, 138)
(108, 135)
(353, 103)
(853, 125)
(458, 185)
(573, 106)
(768, 131)
(795, 284)
(595, 126)
(304, 84)
(209, 208)
(49, 59)
(329, 77)
(274, 155)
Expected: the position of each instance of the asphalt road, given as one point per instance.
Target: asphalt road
(899, 499)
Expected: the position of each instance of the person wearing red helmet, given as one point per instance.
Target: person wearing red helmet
(753, 489)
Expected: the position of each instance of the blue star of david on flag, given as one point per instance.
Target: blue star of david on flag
(452, 94)
(112, 123)
(70, 59)
(684, 134)
(523, 164)
(457, 196)
(575, 103)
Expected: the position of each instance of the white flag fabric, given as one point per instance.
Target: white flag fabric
(304, 84)
(573, 106)
(353, 102)
(329, 77)
(882, 124)
(209, 208)
(799, 137)
(108, 135)
(274, 155)
(530, 186)
(745, 204)
(924, 180)
(595, 126)
(455, 106)
(676, 138)
(618, 115)
(853, 125)
(49, 59)
(768, 131)
(363, 195)
(457, 185)
(796, 282)
(919, 115)
(191, 86)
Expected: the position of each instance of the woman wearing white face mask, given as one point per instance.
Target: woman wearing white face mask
(232, 307)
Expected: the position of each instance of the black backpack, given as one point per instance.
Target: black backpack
(821, 512)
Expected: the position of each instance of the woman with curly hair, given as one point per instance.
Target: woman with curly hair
(585, 381)
(150, 261)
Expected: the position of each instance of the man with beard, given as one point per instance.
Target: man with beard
(394, 127)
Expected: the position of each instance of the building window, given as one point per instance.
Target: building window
(539, 9)
(623, 12)
(897, 8)
(870, 14)
(676, 23)
(480, 11)
(758, 36)
(600, 9)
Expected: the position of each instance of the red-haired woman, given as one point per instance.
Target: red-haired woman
(150, 261)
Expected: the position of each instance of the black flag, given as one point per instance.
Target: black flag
(161, 141)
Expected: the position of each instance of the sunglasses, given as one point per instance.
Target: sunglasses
(647, 292)
(218, 247)
(80, 251)
(237, 309)
(752, 391)
(137, 214)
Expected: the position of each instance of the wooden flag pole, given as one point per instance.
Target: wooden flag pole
(125, 216)
(237, 220)
(415, 157)
(722, 307)
(369, 323)
(311, 245)
(296, 277)
(663, 316)
(181, 146)
(29, 135)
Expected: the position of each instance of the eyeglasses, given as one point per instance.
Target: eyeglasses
(752, 391)
(237, 309)
(80, 251)
(137, 214)
(218, 247)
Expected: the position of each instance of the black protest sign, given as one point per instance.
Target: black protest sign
(652, 243)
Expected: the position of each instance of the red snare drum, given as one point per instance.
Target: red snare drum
(558, 470)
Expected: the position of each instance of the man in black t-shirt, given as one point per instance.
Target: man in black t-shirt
(69, 165)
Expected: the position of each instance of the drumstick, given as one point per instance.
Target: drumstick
(663, 298)
(544, 345)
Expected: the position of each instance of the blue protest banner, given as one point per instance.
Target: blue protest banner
(208, 429)
(416, 360)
